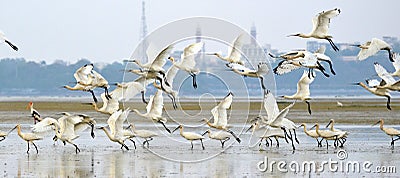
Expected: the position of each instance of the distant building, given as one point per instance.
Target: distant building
(253, 51)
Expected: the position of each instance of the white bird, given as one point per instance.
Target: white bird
(234, 51)
(297, 59)
(221, 135)
(267, 133)
(28, 137)
(115, 122)
(320, 54)
(187, 62)
(339, 104)
(156, 65)
(147, 135)
(154, 109)
(388, 81)
(109, 105)
(147, 77)
(389, 131)
(303, 89)
(190, 136)
(3, 135)
(312, 134)
(4, 39)
(34, 113)
(327, 135)
(83, 77)
(396, 65)
(171, 93)
(372, 88)
(128, 90)
(320, 27)
(342, 134)
(262, 69)
(221, 117)
(276, 118)
(372, 47)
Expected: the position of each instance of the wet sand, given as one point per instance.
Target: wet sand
(170, 155)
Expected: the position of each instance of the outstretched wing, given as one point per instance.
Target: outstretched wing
(303, 85)
(112, 121)
(277, 122)
(270, 105)
(189, 54)
(383, 74)
(373, 47)
(322, 20)
(234, 51)
(160, 61)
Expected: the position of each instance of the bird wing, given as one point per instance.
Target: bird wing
(303, 86)
(126, 91)
(109, 105)
(322, 20)
(396, 63)
(322, 57)
(222, 117)
(285, 67)
(45, 126)
(98, 79)
(82, 74)
(160, 61)
(373, 82)
(112, 119)
(234, 50)
(321, 50)
(157, 104)
(189, 54)
(270, 105)
(226, 102)
(292, 55)
(171, 73)
(68, 128)
(383, 74)
(277, 121)
(119, 130)
(373, 47)
(262, 68)
(309, 60)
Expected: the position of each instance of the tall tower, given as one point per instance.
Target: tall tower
(253, 33)
(198, 39)
(143, 27)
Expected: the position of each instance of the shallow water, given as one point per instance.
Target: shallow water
(170, 155)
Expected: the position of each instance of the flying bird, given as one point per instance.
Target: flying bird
(320, 27)
(372, 88)
(372, 47)
(234, 53)
(303, 89)
(262, 69)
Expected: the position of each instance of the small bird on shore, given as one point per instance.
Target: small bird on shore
(392, 132)
(191, 136)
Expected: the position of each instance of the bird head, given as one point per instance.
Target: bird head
(171, 59)
(380, 120)
(179, 127)
(315, 125)
(297, 34)
(330, 122)
(29, 106)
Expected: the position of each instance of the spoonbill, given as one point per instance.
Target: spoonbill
(297, 59)
(147, 135)
(109, 105)
(115, 122)
(372, 47)
(171, 93)
(262, 69)
(126, 91)
(156, 65)
(396, 65)
(234, 53)
(320, 27)
(342, 134)
(312, 134)
(388, 81)
(389, 131)
(220, 116)
(187, 62)
(35, 114)
(3, 135)
(5, 40)
(190, 136)
(268, 133)
(303, 89)
(154, 109)
(327, 135)
(28, 137)
(221, 135)
(372, 88)
(83, 76)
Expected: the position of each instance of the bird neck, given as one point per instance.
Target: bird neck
(138, 113)
(381, 125)
(181, 131)
(219, 56)
(107, 133)
(305, 128)
(69, 87)
(317, 129)
(365, 86)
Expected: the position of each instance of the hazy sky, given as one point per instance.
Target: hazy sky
(106, 31)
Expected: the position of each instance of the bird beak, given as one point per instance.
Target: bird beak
(12, 129)
(358, 83)
(209, 53)
(129, 126)
(249, 128)
(292, 35)
(99, 127)
(128, 60)
(204, 133)
(330, 122)
(175, 129)
(376, 123)
(313, 126)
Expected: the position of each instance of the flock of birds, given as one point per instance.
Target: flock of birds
(274, 125)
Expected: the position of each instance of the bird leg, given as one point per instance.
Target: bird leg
(327, 144)
(388, 102)
(173, 101)
(319, 142)
(108, 96)
(92, 130)
(76, 148)
(11, 45)
(331, 67)
(169, 131)
(191, 142)
(390, 55)
(332, 44)
(295, 136)
(194, 80)
(223, 142)
(144, 143)
(322, 69)
(308, 107)
(2, 138)
(124, 146)
(262, 82)
(234, 135)
(291, 138)
(201, 140)
(143, 99)
(286, 135)
(161, 83)
(277, 142)
(134, 144)
(27, 152)
(35, 148)
(94, 96)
